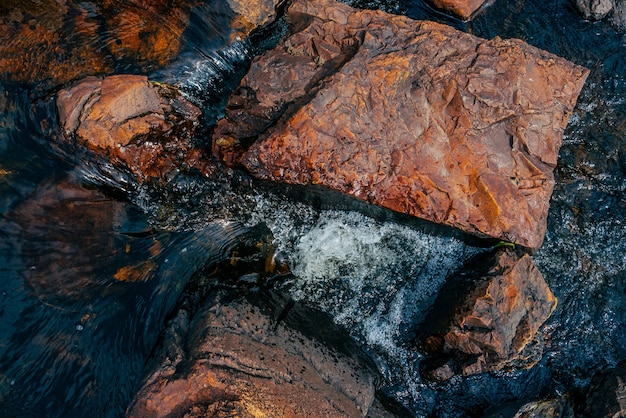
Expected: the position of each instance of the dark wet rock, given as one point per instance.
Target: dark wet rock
(147, 127)
(233, 359)
(618, 18)
(606, 395)
(594, 9)
(461, 8)
(67, 266)
(487, 317)
(412, 116)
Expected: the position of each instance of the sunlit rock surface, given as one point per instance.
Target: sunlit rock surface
(487, 315)
(250, 15)
(461, 8)
(410, 115)
(147, 127)
(233, 359)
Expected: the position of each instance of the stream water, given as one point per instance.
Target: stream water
(91, 264)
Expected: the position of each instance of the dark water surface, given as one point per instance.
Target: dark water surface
(91, 264)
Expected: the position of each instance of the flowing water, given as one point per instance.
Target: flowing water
(91, 264)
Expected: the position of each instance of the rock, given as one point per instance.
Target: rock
(412, 116)
(487, 317)
(232, 359)
(147, 127)
(594, 9)
(606, 395)
(464, 9)
(250, 15)
(618, 18)
(552, 408)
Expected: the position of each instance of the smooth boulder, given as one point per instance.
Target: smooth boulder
(410, 115)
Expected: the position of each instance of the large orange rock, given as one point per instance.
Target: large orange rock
(232, 359)
(147, 127)
(461, 8)
(487, 316)
(412, 116)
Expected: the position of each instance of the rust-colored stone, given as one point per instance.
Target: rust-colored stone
(250, 15)
(235, 361)
(57, 41)
(43, 41)
(413, 116)
(488, 316)
(148, 127)
(461, 8)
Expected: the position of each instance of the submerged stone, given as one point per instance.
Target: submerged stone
(487, 317)
(54, 42)
(144, 126)
(410, 115)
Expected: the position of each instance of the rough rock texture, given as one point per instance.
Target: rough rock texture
(462, 8)
(487, 316)
(606, 396)
(147, 127)
(234, 360)
(614, 11)
(250, 15)
(594, 9)
(413, 116)
(618, 18)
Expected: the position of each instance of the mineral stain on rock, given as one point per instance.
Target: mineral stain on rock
(410, 115)
(487, 317)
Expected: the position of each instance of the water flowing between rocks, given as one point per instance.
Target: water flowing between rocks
(93, 264)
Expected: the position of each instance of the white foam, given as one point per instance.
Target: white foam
(372, 277)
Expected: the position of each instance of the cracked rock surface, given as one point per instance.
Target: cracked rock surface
(488, 317)
(410, 115)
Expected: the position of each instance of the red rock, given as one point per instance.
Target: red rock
(145, 126)
(486, 317)
(462, 8)
(236, 361)
(412, 116)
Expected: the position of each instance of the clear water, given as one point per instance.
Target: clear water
(91, 263)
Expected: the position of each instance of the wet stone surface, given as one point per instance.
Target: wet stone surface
(413, 116)
(487, 317)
